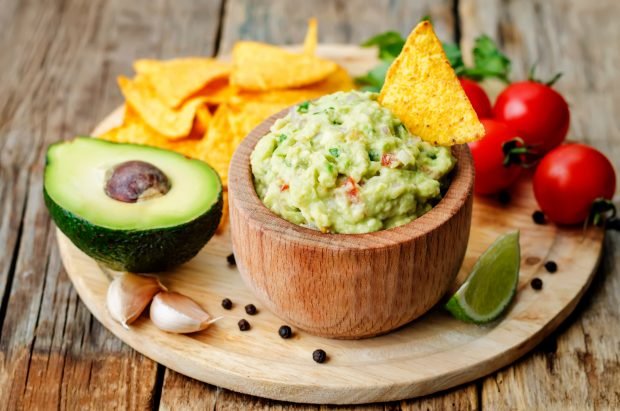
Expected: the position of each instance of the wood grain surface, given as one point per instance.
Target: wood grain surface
(347, 286)
(59, 60)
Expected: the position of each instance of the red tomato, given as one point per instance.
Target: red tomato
(569, 179)
(491, 173)
(478, 98)
(536, 111)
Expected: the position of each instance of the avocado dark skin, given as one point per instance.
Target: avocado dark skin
(139, 251)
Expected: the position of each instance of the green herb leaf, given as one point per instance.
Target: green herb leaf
(455, 57)
(373, 80)
(389, 44)
(282, 137)
(489, 61)
(334, 152)
(373, 155)
(303, 107)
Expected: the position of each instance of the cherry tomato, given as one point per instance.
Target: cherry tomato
(478, 98)
(536, 111)
(492, 175)
(569, 179)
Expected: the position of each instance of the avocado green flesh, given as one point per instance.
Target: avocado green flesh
(147, 236)
(75, 178)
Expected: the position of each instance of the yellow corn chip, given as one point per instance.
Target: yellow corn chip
(258, 66)
(217, 147)
(140, 133)
(224, 220)
(423, 91)
(202, 120)
(244, 117)
(339, 80)
(311, 39)
(176, 80)
(172, 123)
(218, 92)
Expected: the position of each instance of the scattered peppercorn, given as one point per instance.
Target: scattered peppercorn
(503, 197)
(231, 259)
(285, 332)
(319, 356)
(243, 325)
(551, 266)
(539, 217)
(536, 284)
(250, 309)
(227, 304)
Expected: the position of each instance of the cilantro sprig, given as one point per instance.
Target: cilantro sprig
(489, 61)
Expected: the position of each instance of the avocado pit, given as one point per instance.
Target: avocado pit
(134, 181)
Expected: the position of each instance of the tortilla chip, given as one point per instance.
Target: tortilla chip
(258, 66)
(244, 117)
(176, 80)
(140, 133)
(172, 123)
(218, 92)
(202, 120)
(422, 90)
(311, 39)
(217, 147)
(339, 80)
(224, 221)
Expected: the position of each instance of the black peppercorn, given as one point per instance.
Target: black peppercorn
(539, 217)
(551, 266)
(231, 259)
(285, 332)
(503, 197)
(243, 325)
(227, 304)
(319, 356)
(250, 309)
(536, 284)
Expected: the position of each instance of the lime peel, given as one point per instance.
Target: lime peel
(492, 283)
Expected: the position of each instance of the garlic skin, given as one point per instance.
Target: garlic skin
(129, 294)
(176, 313)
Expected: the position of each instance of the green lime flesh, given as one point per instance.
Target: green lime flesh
(492, 283)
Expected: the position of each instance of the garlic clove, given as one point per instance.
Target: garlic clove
(129, 294)
(176, 313)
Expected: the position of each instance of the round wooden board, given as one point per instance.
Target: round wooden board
(434, 353)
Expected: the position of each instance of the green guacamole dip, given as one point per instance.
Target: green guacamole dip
(344, 164)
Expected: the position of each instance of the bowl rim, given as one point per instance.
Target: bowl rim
(242, 194)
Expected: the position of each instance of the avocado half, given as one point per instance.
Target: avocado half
(152, 234)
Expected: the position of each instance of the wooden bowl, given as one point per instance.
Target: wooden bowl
(347, 285)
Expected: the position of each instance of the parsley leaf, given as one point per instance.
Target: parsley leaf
(303, 107)
(489, 61)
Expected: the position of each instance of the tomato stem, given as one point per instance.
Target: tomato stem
(599, 208)
(515, 151)
(532, 77)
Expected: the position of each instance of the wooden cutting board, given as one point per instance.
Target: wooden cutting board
(433, 353)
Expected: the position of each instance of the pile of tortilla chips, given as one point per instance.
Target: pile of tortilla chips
(203, 107)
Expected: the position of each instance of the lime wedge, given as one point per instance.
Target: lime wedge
(492, 283)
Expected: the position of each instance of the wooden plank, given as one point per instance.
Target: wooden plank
(578, 367)
(58, 80)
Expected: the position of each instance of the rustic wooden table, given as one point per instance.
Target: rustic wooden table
(59, 60)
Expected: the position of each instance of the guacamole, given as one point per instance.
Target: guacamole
(345, 164)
